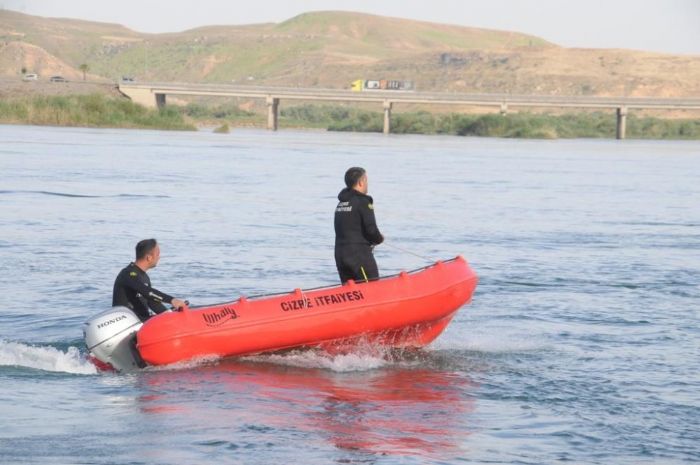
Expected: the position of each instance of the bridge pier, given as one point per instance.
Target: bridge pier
(272, 112)
(387, 116)
(621, 122)
(160, 100)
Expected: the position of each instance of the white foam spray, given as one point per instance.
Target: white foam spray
(341, 363)
(187, 364)
(45, 358)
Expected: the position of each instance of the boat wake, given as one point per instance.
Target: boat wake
(71, 360)
(491, 342)
(45, 358)
(344, 363)
(341, 363)
(187, 364)
(363, 358)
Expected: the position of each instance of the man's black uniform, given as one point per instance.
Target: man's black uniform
(356, 233)
(132, 289)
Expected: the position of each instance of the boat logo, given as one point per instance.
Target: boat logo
(109, 322)
(220, 317)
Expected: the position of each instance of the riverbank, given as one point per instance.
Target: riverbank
(514, 125)
(93, 110)
(103, 110)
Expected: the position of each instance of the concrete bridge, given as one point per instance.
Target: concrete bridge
(154, 95)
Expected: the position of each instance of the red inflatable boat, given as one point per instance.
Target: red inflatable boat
(407, 310)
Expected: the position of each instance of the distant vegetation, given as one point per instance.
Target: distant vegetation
(101, 111)
(94, 110)
(223, 129)
(517, 125)
(220, 113)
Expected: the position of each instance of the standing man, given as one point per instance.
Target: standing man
(132, 288)
(356, 231)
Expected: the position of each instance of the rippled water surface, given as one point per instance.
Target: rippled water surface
(582, 343)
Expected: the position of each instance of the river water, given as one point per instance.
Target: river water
(582, 343)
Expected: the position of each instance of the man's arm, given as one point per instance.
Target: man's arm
(369, 223)
(154, 297)
(149, 293)
(157, 306)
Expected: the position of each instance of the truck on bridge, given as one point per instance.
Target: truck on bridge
(361, 85)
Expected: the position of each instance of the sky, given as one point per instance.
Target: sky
(667, 26)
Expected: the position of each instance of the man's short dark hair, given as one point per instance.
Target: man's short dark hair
(353, 175)
(145, 247)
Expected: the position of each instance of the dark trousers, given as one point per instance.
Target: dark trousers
(356, 262)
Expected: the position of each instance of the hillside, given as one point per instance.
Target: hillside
(330, 49)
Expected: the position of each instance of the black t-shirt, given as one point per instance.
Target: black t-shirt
(132, 289)
(354, 220)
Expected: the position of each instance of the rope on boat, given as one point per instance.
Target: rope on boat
(409, 252)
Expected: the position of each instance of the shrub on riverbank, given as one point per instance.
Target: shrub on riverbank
(216, 114)
(93, 110)
(655, 128)
(98, 110)
(333, 118)
(223, 129)
(515, 125)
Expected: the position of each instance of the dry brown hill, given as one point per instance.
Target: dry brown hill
(330, 49)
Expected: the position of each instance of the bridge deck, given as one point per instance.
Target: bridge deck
(413, 97)
(153, 94)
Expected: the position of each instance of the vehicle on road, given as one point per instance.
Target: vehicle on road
(30, 77)
(361, 85)
(58, 79)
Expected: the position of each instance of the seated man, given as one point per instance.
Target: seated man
(356, 231)
(132, 288)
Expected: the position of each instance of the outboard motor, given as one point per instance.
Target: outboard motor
(111, 338)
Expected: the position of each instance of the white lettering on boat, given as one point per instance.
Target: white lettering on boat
(113, 320)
